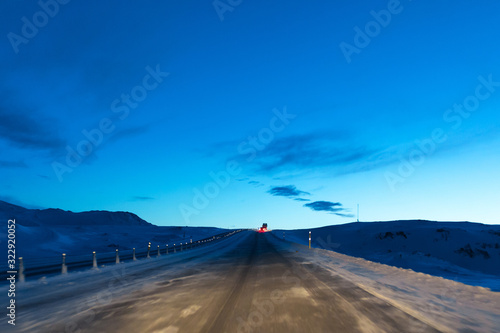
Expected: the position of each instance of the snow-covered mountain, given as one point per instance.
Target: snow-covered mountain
(59, 217)
(50, 232)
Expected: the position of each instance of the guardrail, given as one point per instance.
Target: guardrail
(45, 266)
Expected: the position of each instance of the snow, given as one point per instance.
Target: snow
(447, 305)
(82, 294)
(461, 251)
(43, 235)
(447, 274)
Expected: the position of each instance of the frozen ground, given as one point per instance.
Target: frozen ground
(67, 300)
(254, 283)
(460, 251)
(359, 277)
(447, 305)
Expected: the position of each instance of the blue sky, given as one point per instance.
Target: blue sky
(232, 113)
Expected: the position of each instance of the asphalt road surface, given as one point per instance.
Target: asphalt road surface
(255, 287)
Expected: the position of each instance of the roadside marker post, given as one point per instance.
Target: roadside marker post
(21, 269)
(133, 254)
(94, 260)
(309, 240)
(117, 257)
(158, 250)
(64, 268)
(174, 248)
(167, 248)
(149, 248)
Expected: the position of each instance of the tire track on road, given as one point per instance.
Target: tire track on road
(220, 321)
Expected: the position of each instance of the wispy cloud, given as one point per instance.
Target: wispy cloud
(23, 129)
(307, 152)
(329, 207)
(337, 153)
(115, 136)
(295, 154)
(12, 164)
(142, 198)
(244, 179)
(129, 132)
(255, 183)
(325, 206)
(286, 191)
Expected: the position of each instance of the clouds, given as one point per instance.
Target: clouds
(330, 207)
(286, 191)
(299, 153)
(325, 206)
(129, 132)
(255, 183)
(291, 192)
(12, 164)
(24, 129)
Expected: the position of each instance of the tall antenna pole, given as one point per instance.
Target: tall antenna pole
(358, 212)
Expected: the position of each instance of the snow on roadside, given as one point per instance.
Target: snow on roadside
(447, 305)
(417, 245)
(82, 294)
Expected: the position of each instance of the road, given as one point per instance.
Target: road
(253, 287)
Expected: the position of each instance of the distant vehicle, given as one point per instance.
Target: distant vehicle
(263, 228)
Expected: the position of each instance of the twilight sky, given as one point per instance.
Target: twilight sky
(232, 113)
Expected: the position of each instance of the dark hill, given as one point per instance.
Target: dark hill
(59, 217)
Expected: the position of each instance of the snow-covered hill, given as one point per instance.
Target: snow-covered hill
(50, 232)
(59, 217)
(462, 251)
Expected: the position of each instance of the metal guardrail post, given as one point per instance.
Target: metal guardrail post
(158, 251)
